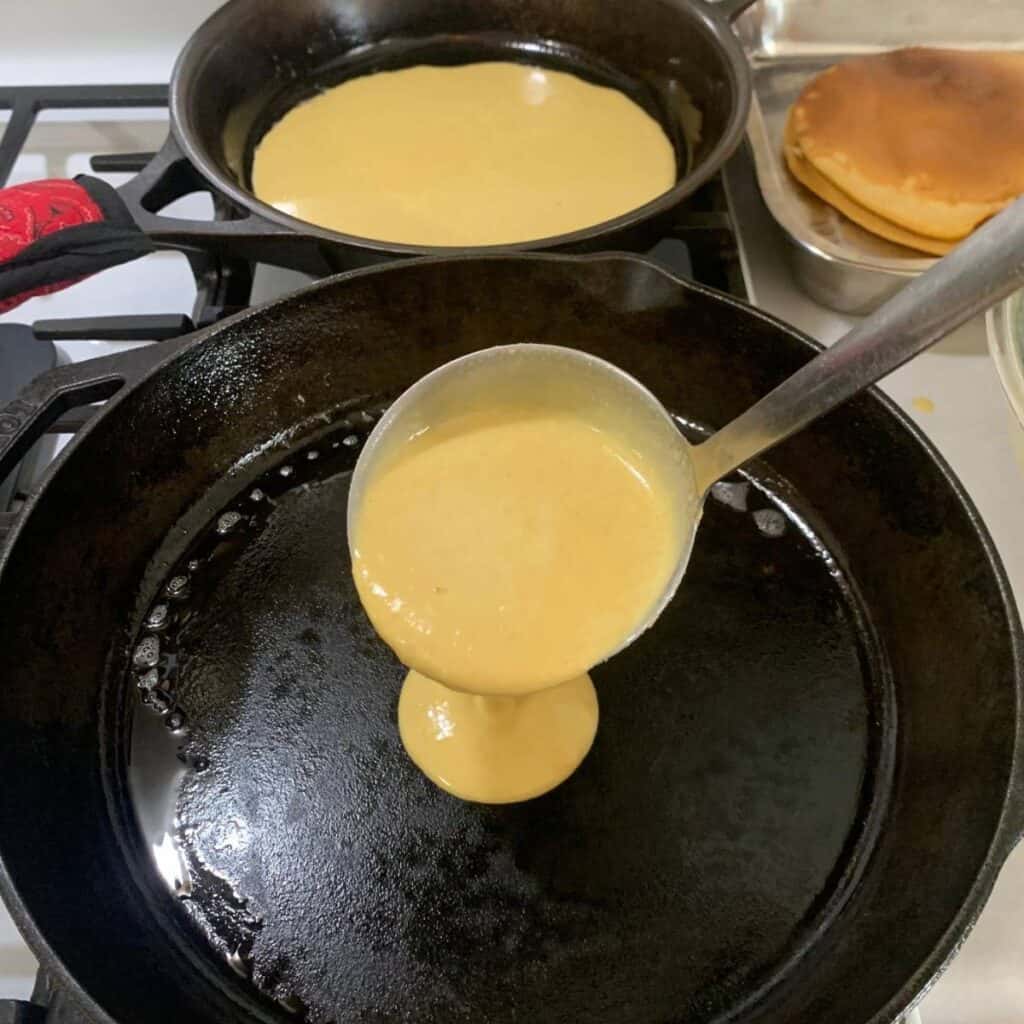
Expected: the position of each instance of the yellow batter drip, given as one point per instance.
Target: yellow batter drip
(478, 154)
(497, 749)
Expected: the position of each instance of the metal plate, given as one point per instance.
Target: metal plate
(837, 262)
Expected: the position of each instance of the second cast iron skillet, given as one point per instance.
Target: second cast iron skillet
(254, 59)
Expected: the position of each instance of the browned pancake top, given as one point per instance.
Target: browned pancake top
(948, 124)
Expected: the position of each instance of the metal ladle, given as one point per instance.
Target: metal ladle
(977, 274)
(983, 269)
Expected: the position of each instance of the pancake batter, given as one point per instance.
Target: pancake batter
(497, 749)
(505, 552)
(477, 154)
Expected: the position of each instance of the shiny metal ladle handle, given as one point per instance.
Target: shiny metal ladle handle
(983, 269)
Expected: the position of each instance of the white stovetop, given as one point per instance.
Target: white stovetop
(970, 422)
(133, 41)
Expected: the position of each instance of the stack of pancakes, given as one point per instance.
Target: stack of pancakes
(919, 146)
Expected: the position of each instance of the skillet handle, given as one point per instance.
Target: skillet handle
(25, 419)
(169, 176)
(53, 233)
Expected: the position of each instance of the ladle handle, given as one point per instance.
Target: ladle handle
(983, 269)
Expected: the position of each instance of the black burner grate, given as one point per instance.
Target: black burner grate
(26, 101)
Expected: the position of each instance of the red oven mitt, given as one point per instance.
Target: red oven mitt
(54, 233)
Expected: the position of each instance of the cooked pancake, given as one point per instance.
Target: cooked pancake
(931, 140)
(810, 178)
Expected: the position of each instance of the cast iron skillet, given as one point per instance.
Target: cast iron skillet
(806, 778)
(254, 59)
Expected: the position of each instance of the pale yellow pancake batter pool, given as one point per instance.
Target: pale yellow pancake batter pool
(505, 550)
(477, 154)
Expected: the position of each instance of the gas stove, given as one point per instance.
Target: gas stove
(726, 239)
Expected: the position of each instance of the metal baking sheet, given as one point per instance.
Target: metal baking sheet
(788, 42)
